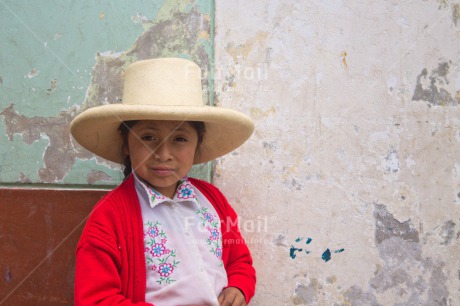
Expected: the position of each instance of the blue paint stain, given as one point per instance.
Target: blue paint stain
(293, 250)
(326, 255)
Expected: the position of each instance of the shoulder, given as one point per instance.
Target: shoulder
(109, 214)
(115, 202)
(121, 193)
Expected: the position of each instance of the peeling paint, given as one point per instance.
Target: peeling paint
(241, 51)
(357, 296)
(387, 226)
(306, 294)
(280, 240)
(56, 163)
(446, 232)
(399, 245)
(98, 176)
(392, 162)
(456, 13)
(53, 86)
(258, 113)
(33, 73)
(456, 183)
(429, 88)
(273, 145)
(175, 36)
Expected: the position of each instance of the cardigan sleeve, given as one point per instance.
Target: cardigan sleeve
(98, 265)
(238, 262)
(235, 253)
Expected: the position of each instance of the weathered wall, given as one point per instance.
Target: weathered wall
(349, 189)
(58, 58)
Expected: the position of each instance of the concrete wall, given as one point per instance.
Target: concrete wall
(350, 187)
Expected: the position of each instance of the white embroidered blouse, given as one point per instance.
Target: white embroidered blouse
(183, 246)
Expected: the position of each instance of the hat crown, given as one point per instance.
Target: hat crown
(163, 82)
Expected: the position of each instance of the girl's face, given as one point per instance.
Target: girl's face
(162, 152)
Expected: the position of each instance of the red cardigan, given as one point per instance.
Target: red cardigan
(110, 264)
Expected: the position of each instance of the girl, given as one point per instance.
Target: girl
(161, 238)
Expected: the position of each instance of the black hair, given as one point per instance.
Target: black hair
(126, 126)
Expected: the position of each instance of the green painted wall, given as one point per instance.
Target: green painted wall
(58, 58)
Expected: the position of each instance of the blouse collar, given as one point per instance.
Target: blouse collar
(184, 192)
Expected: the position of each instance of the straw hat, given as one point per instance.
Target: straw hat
(161, 89)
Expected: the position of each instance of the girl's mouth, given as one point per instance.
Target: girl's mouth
(162, 171)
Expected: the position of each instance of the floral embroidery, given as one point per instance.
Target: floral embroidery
(213, 233)
(157, 255)
(218, 252)
(208, 217)
(165, 269)
(212, 224)
(154, 196)
(158, 250)
(185, 190)
(153, 231)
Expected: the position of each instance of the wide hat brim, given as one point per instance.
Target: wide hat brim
(96, 129)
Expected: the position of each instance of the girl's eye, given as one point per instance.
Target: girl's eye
(181, 139)
(147, 138)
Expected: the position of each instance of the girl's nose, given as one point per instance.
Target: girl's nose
(162, 152)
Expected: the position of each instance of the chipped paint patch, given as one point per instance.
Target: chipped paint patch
(306, 294)
(432, 87)
(391, 163)
(406, 278)
(241, 51)
(456, 13)
(387, 226)
(456, 183)
(414, 279)
(33, 73)
(446, 232)
(258, 113)
(98, 176)
(280, 240)
(53, 86)
(357, 296)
